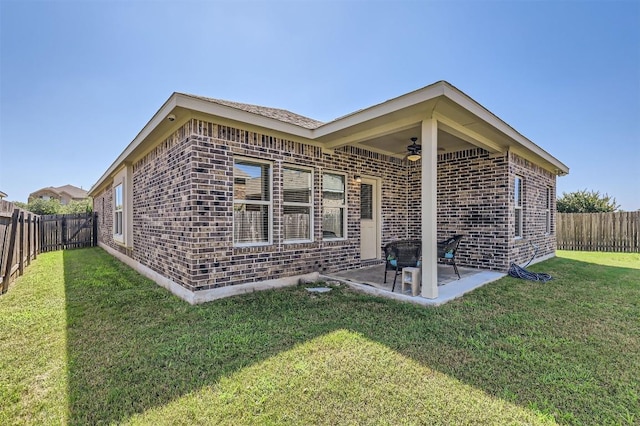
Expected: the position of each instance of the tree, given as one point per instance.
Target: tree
(21, 205)
(84, 206)
(40, 206)
(52, 206)
(586, 202)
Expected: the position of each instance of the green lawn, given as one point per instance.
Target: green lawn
(85, 340)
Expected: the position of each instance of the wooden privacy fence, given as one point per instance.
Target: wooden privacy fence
(23, 235)
(19, 242)
(616, 232)
(67, 231)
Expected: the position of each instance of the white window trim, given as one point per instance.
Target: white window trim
(255, 202)
(124, 177)
(310, 204)
(517, 207)
(345, 213)
(548, 211)
(118, 236)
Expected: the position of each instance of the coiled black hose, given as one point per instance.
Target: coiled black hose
(518, 271)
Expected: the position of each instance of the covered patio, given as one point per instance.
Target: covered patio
(370, 279)
(461, 174)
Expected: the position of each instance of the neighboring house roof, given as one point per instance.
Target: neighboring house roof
(384, 128)
(2, 195)
(73, 192)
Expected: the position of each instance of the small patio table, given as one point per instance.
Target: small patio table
(411, 276)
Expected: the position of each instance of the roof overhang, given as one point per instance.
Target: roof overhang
(456, 113)
(383, 127)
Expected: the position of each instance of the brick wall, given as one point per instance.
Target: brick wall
(476, 199)
(162, 219)
(217, 263)
(165, 220)
(183, 206)
(473, 200)
(534, 188)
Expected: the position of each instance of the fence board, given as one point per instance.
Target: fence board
(614, 232)
(9, 260)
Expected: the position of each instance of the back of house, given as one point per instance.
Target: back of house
(215, 198)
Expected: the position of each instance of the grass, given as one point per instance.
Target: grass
(85, 340)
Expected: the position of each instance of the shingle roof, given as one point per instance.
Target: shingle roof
(275, 113)
(74, 191)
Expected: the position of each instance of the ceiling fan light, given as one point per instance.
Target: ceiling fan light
(414, 150)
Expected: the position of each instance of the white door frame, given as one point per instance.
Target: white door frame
(377, 218)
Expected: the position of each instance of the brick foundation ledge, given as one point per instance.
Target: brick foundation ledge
(203, 296)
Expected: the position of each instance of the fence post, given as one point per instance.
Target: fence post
(64, 233)
(94, 241)
(40, 234)
(12, 244)
(36, 235)
(21, 247)
(29, 239)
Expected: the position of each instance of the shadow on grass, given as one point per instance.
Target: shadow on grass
(568, 348)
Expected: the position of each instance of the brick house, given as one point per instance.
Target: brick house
(214, 198)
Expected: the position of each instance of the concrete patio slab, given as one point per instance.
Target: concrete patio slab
(371, 280)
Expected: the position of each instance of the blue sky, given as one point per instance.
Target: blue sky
(79, 79)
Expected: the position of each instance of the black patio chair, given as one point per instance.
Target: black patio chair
(447, 251)
(401, 254)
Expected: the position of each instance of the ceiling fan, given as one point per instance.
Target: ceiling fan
(414, 150)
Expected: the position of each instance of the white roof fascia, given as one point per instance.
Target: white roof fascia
(200, 105)
(388, 107)
(478, 110)
(157, 118)
(440, 88)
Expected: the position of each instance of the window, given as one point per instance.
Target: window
(251, 202)
(333, 206)
(297, 204)
(547, 212)
(517, 202)
(123, 207)
(366, 201)
(118, 207)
